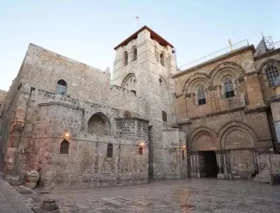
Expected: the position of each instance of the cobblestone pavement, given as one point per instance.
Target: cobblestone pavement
(10, 200)
(191, 195)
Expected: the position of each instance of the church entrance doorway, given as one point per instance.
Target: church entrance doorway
(208, 164)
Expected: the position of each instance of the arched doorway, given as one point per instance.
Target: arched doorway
(202, 153)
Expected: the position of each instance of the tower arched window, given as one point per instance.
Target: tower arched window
(164, 116)
(109, 150)
(64, 147)
(228, 88)
(134, 53)
(162, 62)
(125, 58)
(272, 75)
(61, 87)
(201, 99)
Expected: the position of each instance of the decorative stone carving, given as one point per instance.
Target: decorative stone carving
(31, 179)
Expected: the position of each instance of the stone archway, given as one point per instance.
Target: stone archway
(239, 156)
(202, 148)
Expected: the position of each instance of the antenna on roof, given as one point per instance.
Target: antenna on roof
(262, 34)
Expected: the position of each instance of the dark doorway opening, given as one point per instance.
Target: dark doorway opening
(210, 164)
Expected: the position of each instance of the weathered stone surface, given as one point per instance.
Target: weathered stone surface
(119, 127)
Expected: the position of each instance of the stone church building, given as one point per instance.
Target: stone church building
(79, 126)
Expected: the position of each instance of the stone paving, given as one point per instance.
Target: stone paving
(182, 196)
(10, 200)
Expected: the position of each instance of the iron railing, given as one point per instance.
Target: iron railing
(216, 54)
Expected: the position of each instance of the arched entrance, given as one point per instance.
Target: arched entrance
(202, 154)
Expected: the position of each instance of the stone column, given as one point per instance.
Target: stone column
(197, 165)
(192, 167)
(225, 164)
(218, 157)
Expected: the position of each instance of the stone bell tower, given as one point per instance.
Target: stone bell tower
(144, 64)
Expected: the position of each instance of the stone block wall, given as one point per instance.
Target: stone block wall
(48, 116)
(174, 154)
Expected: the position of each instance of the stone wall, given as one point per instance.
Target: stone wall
(48, 116)
(154, 84)
(269, 168)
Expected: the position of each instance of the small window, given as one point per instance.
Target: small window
(64, 147)
(61, 87)
(110, 150)
(140, 151)
(272, 75)
(134, 53)
(201, 95)
(162, 62)
(164, 116)
(228, 87)
(125, 58)
(183, 154)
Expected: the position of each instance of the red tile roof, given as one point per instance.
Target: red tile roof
(154, 36)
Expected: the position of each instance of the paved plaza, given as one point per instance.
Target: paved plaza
(10, 200)
(190, 195)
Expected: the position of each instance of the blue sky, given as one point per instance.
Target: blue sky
(88, 30)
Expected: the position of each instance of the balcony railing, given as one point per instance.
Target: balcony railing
(277, 45)
(216, 54)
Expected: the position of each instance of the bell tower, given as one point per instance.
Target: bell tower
(144, 64)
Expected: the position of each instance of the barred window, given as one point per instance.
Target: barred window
(109, 150)
(61, 87)
(64, 147)
(140, 151)
(125, 58)
(272, 75)
(201, 95)
(228, 87)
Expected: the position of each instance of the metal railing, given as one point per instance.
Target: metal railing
(216, 54)
(277, 45)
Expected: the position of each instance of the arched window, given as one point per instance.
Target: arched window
(228, 87)
(162, 62)
(134, 53)
(164, 116)
(140, 150)
(61, 87)
(156, 53)
(125, 58)
(109, 150)
(201, 95)
(272, 75)
(64, 147)
(99, 124)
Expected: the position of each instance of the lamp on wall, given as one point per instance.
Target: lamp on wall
(184, 147)
(142, 144)
(66, 134)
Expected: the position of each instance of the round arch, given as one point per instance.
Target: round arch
(237, 135)
(202, 139)
(193, 81)
(231, 69)
(99, 124)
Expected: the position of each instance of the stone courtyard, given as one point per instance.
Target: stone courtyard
(192, 195)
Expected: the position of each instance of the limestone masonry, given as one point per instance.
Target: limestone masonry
(78, 126)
